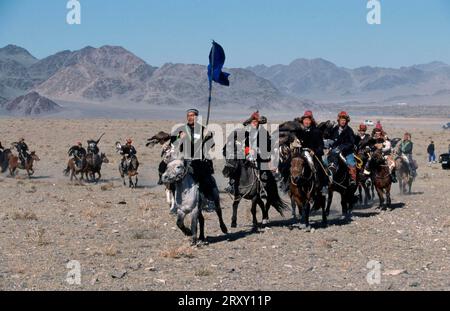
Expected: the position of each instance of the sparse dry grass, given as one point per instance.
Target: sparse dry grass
(24, 215)
(203, 272)
(110, 250)
(38, 236)
(179, 252)
(107, 187)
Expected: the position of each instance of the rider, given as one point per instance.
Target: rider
(92, 147)
(193, 137)
(311, 138)
(362, 139)
(77, 152)
(406, 151)
(344, 143)
(128, 151)
(381, 142)
(254, 149)
(22, 149)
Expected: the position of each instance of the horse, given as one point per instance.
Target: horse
(15, 163)
(340, 182)
(4, 155)
(250, 183)
(303, 190)
(170, 154)
(94, 165)
(404, 176)
(365, 184)
(188, 199)
(382, 179)
(74, 169)
(129, 167)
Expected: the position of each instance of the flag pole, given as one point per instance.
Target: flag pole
(210, 83)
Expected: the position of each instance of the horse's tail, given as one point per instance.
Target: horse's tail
(275, 200)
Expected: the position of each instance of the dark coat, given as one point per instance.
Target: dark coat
(345, 141)
(362, 142)
(311, 138)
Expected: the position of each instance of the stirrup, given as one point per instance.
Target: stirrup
(366, 172)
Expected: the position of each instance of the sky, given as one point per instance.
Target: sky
(251, 31)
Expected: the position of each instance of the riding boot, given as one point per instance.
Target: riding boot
(393, 176)
(352, 172)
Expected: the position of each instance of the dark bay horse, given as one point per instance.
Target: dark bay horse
(303, 190)
(382, 179)
(94, 165)
(250, 184)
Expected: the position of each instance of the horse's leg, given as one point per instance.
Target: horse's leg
(329, 201)
(201, 222)
(388, 198)
(265, 211)
(366, 195)
(180, 223)
(293, 207)
(234, 214)
(130, 182)
(194, 223)
(305, 214)
(253, 210)
(381, 198)
(360, 196)
(216, 196)
(321, 201)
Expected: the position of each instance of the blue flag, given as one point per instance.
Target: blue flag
(216, 62)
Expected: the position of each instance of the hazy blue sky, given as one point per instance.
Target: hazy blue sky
(251, 31)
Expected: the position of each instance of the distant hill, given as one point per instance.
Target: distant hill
(31, 104)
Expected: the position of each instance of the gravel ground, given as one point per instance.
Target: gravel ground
(126, 240)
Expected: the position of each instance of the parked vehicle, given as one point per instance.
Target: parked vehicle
(444, 159)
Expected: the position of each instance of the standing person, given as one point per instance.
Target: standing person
(431, 153)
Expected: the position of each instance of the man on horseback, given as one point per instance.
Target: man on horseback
(312, 143)
(78, 153)
(258, 147)
(128, 151)
(344, 144)
(79, 156)
(191, 140)
(22, 150)
(405, 150)
(362, 139)
(380, 141)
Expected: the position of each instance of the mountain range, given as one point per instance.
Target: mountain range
(325, 82)
(114, 77)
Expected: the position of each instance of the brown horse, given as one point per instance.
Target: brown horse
(382, 179)
(405, 179)
(304, 193)
(14, 163)
(74, 169)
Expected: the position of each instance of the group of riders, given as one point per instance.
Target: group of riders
(342, 142)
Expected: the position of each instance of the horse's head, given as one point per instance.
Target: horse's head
(34, 156)
(104, 158)
(175, 171)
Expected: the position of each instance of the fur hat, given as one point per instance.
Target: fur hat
(343, 115)
(255, 116)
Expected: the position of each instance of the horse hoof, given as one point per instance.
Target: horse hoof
(224, 228)
(265, 221)
(233, 225)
